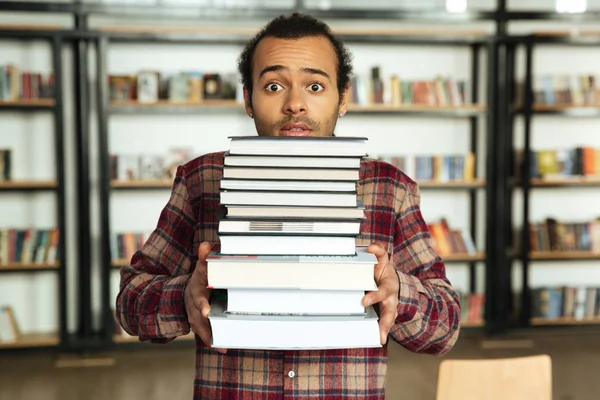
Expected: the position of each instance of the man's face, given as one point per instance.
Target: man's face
(294, 89)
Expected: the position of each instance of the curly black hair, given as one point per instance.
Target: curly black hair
(296, 26)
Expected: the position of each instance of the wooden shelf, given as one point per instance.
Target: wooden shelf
(27, 103)
(474, 324)
(417, 108)
(463, 257)
(134, 339)
(116, 184)
(477, 183)
(567, 181)
(119, 262)
(28, 266)
(564, 255)
(347, 31)
(27, 185)
(165, 106)
(31, 340)
(563, 321)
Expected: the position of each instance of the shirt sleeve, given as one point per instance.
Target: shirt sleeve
(429, 310)
(150, 302)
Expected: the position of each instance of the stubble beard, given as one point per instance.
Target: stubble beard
(327, 128)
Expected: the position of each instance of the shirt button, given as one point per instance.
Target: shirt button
(291, 374)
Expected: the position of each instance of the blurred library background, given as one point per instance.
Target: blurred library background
(491, 106)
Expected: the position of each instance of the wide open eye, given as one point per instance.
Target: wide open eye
(315, 87)
(274, 87)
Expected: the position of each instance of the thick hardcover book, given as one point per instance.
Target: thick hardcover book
(292, 332)
(269, 244)
(312, 199)
(298, 146)
(295, 302)
(298, 226)
(261, 211)
(354, 272)
(292, 161)
(304, 174)
(287, 185)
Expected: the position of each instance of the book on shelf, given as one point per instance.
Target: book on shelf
(434, 168)
(123, 245)
(150, 86)
(565, 301)
(5, 165)
(18, 84)
(552, 235)
(28, 245)
(472, 307)
(9, 329)
(397, 91)
(565, 163)
(447, 241)
(566, 90)
(292, 272)
(148, 166)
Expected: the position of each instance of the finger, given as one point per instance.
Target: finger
(383, 292)
(204, 331)
(387, 318)
(378, 251)
(204, 251)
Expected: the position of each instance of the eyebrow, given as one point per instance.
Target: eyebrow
(276, 68)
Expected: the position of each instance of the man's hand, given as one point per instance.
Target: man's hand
(388, 291)
(196, 298)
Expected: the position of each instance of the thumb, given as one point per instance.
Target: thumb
(204, 251)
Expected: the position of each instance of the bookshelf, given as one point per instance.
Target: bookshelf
(32, 187)
(470, 120)
(485, 126)
(557, 267)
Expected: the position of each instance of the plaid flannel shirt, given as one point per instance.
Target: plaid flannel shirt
(150, 302)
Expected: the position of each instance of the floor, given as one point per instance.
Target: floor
(159, 373)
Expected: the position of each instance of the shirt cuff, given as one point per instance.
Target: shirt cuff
(408, 296)
(171, 318)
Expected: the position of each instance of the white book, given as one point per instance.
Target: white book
(289, 226)
(231, 331)
(355, 272)
(259, 211)
(310, 199)
(316, 174)
(284, 244)
(279, 185)
(295, 302)
(292, 162)
(298, 146)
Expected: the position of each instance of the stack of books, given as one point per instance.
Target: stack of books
(288, 258)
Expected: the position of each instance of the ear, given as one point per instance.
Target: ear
(247, 102)
(344, 100)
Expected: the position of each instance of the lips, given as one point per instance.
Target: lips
(295, 129)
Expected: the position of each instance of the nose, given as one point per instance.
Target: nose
(295, 102)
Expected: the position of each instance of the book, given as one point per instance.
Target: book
(312, 199)
(281, 185)
(294, 146)
(325, 174)
(295, 302)
(323, 227)
(292, 161)
(290, 332)
(354, 272)
(261, 211)
(281, 244)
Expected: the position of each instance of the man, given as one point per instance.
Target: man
(296, 79)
